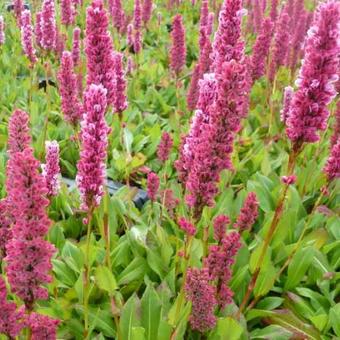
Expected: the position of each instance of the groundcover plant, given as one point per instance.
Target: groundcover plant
(169, 169)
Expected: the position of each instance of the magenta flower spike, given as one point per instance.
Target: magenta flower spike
(2, 30)
(91, 166)
(308, 112)
(258, 15)
(287, 99)
(137, 15)
(248, 213)
(281, 42)
(187, 226)
(48, 26)
(117, 13)
(70, 104)
(164, 147)
(67, 12)
(201, 293)
(28, 254)
(220, 227)
(51, 170)
(193, 91)
(332, 168)
(147, 11)
(152, 186)
(27, 36)
(37, 29)
(19, 137)
(43, 327)
(76, 46)
(18, 8)
(11, 319)
(99, 49)
(178, 48)
(120, 101)
(273, 10)
(6, 220)
(336, 130)
(137, 42)
(261, 50)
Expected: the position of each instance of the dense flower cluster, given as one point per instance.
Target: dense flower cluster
(170, 201)
(119, 101)
(220, 227)
(186, 226)
(202, 296)
(261, 49)
(164, 147)
(248, 213)
(117, 13)
(91, 167)
(70, 104)
(336, 129)
(332, 168)
(152, 186)
(11, 319)
(287, 99)
(147, 10)
(178, 48)
(48, 26)
(28, 254)
(27, 36)
(67, 12)
(308, 111)
(99, 49)
(43, 327)
(76, 46)
(37, 29)
(51, 170)
(5, 226)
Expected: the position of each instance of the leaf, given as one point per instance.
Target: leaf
(334, 318)
(129, 318)
(151, 312)
(227, 327)
(134, 271)
(299, 266)
(105, 279)
(265, 280)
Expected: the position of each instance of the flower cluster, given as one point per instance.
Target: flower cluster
(51, 170)
(6, 221)
(308, 110)
(220, 227)
(91, 174)
(117, 13)
(164, 147)
(178, 48)
(76, 46)
(119, 101)
(147, 11)
(248, 213)
(70, 104)
(27, 36)
(67, 12)
(186, 226)
(332, 168)
(43, 327)
(152, 186)
(287, 99)
(48, 27)
(99, 49)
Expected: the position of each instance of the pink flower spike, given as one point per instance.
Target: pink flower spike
(43, 327)
(2, 30)
(288, 180)
(117, 13)
(220, 227)
(164, 147)
(147, 11)
(70, 104)
(48, 26)
(51, 170)
(152, 186)
(308, 112)
(287, 99)
(37, 29)
(67, 12)
(76, 46)
(91, 167)
(186, 226)
(120, 101)
(27, 36)
(248, 213)
(6, 220)
(332, 168)
(137, 15)
(178, 48)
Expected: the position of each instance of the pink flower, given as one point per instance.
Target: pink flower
(178, 48)
(248, 213)
(193, 92)
(60, 43)
(261, 49)
(288, 180)
(70, 104)
(186, 226)
(18, 7)
(26, 36)
(202, 296)
(336, 130)
(273, 10)
(170, 201)
(43, 327)
(220, 227)
(2, 30)
(152, 186)
(137, 15)
(51, 170)
(48, 25)
(129, 35)
(28, 254)
(91, 167)
(137, 42)
(147, 11)
(6, 220)
(287, 99)
(37, 29)
(76, 46)
(19, 137)
(67, 12)
(164, 147)
(308, 111)
(258, 15)
(332, 168)
(99, 49)
(117, 13)
(281, 41)
(120, 101)
(11, 319)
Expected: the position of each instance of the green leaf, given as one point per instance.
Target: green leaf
(265, 280)
(129, 318)
(227, 327)
(299, 266)
(105, 279)
(151, 312)
(334, 318)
